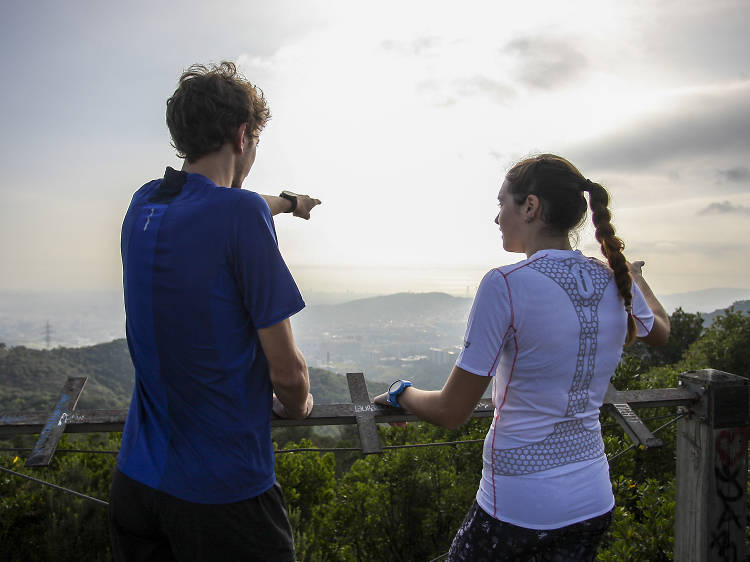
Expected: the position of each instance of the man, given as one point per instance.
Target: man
(208, 299)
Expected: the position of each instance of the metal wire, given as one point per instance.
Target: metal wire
(614, 456)
(318, 450)
(300, 450)
(614, 425)
(670, 422)
(29, 449)
(655, 431)
(350, 449)
(56, 487)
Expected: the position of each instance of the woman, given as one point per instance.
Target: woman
(549, 332)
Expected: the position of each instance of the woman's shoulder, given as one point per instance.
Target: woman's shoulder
(512, 268)
(543, 260)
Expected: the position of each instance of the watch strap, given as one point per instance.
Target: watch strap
(394, 394)
(290, 196)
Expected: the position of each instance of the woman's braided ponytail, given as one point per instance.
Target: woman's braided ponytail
(612, 248)
(560, 186)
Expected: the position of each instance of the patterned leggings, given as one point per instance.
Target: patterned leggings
(482, 538)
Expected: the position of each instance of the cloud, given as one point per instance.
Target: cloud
(481, 85)
(419, 46)
(724, 208)
(448, 93)
(545, 64)
(713, 123)
(738, 174)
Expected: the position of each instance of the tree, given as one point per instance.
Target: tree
(686, 328)
(725, 345)
(39, 523)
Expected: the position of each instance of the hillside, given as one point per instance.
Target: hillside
(704, 300)
(31, 379)
(739, 306)
(399, 308)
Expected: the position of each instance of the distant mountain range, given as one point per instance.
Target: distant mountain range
(739, 306)
(399, 308)
(83, 318)
(704, 301)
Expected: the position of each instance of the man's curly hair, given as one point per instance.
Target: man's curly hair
(208, 106)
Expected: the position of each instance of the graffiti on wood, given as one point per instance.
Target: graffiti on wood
(730, 470)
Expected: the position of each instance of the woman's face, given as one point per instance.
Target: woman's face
(509, 220)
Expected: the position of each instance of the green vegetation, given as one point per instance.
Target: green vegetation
(31, 379)
(403, 505)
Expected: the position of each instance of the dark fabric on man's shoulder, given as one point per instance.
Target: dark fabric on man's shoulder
(170, 187)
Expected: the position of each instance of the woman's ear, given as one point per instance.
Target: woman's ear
(531, 207)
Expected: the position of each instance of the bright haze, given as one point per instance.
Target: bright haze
(403, 117)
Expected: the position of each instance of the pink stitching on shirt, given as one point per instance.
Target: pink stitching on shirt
(524, 265)
(642, 324)
(512, 328)
(497, 415)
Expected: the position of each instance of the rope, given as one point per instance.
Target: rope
(56, 487)
(441, 557)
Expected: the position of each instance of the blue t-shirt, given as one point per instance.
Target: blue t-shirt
(202, 273)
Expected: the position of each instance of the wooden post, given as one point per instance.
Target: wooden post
(711, 508)
(364, 413)
(45, 447)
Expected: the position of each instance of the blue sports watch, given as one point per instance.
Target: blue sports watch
(397, 389)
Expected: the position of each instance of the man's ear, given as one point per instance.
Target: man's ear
(238, 141)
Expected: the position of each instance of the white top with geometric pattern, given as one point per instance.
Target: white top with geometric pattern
(550, 329)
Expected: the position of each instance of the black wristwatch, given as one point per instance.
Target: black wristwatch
(290, 196)
(397, 389)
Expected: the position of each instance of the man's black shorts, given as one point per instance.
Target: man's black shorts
(146, 524)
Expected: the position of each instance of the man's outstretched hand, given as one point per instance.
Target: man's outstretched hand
(305, 204)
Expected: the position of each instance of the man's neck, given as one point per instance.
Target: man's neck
(217, 166)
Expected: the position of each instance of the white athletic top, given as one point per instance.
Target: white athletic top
(552, 329)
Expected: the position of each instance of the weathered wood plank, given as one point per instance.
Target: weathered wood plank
(629, 420)
(54, 428)
(653, 397)
(364, 413)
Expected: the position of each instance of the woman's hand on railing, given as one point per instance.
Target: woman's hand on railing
(382, 399)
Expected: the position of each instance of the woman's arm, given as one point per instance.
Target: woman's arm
(659, 333)
(450, 407)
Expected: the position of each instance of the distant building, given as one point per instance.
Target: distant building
(442, 356)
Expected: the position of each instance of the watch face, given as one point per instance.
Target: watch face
(395, 386)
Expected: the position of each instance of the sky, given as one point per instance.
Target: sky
(402, 117)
